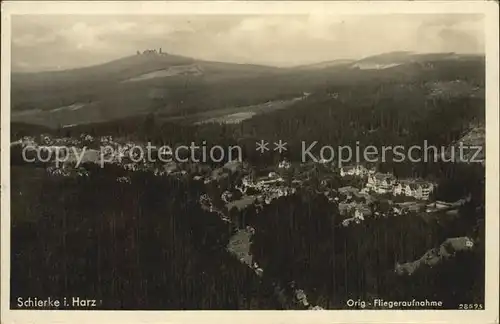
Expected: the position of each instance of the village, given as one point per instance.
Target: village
(402, 196)
(381, 195)
(375, 195)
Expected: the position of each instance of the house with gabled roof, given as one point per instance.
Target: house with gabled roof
(418, 189)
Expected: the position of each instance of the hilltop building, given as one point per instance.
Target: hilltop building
(151, 51)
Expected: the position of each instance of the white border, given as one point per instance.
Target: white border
(489, 9)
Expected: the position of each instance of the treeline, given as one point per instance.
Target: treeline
(386, 122)
(140, 245)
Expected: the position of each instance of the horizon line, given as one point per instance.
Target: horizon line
(352, 60)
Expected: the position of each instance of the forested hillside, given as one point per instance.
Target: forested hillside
(140, 245)
(141, 238)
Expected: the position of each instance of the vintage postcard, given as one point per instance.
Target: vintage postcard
(249, 161)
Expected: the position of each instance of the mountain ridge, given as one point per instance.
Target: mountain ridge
(175, 85)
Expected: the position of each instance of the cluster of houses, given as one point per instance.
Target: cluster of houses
(123, 179)
(355, 170)
(76, 151)
(270, 187)
(418, 189)
(357, 210)
(66, 172)
(383, 183)
(265, 190)
(45, 140)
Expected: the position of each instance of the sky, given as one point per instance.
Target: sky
(44, 42)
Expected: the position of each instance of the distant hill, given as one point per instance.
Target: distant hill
(393, 59)
(170, 85)
(128, 67)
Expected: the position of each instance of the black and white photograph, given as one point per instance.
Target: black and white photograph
(318, 161)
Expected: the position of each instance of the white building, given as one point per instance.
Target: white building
(413, 188)
(381, 182)
(354, 170)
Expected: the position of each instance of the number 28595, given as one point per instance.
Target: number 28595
(470, 306)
